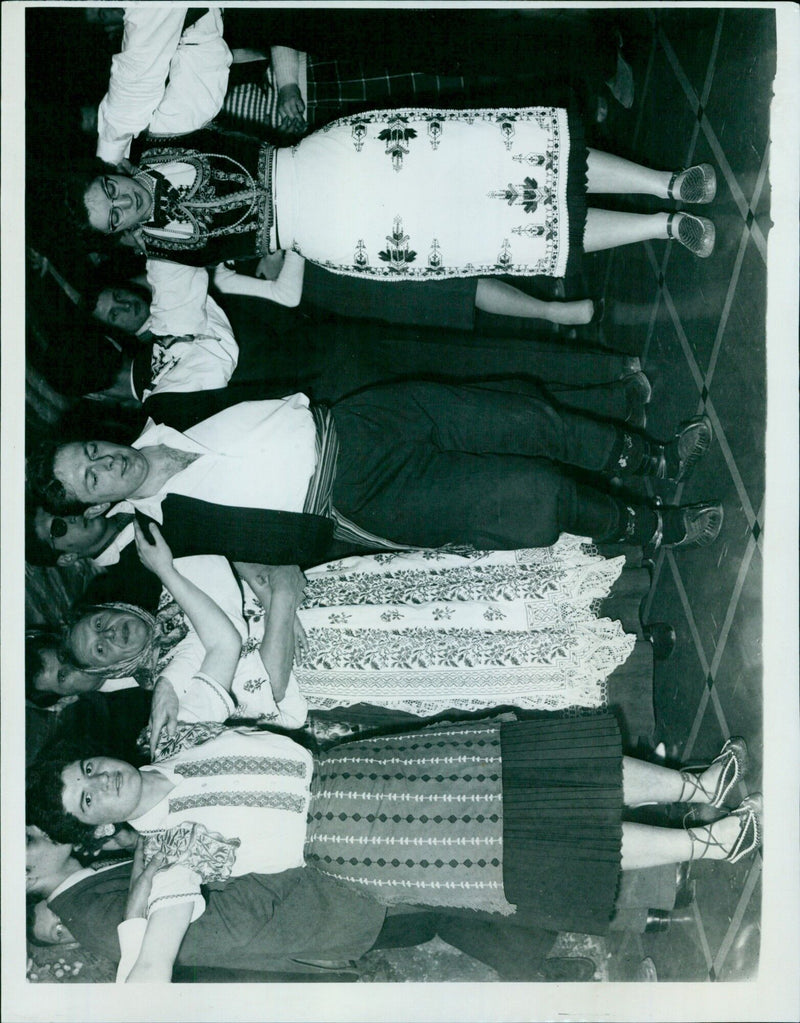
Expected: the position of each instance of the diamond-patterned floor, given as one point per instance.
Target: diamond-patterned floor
(703, 91)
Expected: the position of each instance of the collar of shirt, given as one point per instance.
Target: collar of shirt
(80, 875)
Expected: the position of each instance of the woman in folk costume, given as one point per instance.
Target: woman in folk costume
(508, 817)
(400, 195)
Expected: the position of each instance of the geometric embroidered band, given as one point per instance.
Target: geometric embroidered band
(242, 765)
(270, 800)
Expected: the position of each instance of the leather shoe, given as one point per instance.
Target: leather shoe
(701, 524)
(690, 443)
(661, 635)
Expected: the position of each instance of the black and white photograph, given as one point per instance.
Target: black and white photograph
(400, 481)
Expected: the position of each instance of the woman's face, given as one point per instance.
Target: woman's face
(117, 203)
(101, 790)
(103, 638)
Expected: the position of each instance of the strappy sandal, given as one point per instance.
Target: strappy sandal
(699, 184)
(734, 760)
(697, 234)
(751, 832)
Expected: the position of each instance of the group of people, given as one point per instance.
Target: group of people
(393, 516)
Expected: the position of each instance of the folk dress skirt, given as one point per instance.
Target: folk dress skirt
(424, 194)
(514, 818)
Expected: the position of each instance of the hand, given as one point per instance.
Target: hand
(291, 110)
(141, 882)
(163, 713)
(300, 640)
(270, 266)
(39, 262)
(287, 579)
(156, 555)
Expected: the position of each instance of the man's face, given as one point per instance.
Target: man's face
(117, 203)
(47, 927)
(63, 679)
(74, 534)
(96, 472)
(103, 638)
(43, 857)
(121, 308)
(101, 790)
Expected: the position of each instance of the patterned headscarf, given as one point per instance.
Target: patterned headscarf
(140, 665)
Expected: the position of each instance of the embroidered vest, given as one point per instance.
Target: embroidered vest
(225, 213)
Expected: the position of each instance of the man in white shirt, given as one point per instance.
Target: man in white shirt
(157, 45)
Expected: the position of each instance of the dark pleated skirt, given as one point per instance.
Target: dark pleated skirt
(478, 816)
(562, 833)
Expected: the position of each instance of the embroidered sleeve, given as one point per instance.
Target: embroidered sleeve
(174, 885)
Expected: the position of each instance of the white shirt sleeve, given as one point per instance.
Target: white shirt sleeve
(205, 354)
(171, 886)
(286, 290)
(253, 692)
(285, 66)
(154, 47)
(131, 935)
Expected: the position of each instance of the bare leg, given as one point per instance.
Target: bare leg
(646, 846)
(606, 229)
(615, 176)
(643, 782)
(493, 296)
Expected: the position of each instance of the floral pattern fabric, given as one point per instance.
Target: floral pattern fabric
(425, 631)
(425, 194)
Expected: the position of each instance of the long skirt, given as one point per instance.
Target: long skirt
(429, 631)
(426, 194)
(517, 818)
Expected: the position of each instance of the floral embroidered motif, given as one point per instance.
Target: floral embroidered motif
(264, 800)
(442, 613)
(435, 130)
(185, 737)
(504, 259)
(361, 259)
(396, 135)
(339, 619)
(391, 616)
(507, 132)
(397, 252)
(533, 159)
(435, 256)
(253, 685)
(208, 853)
(528, 195)
(241, 765)
(493, 614)
(359, 133)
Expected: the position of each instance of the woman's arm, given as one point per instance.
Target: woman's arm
(162, 940)
(291, 108)
(280, 590)
(286, 290)
(219, 637)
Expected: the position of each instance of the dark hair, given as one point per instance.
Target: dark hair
(76, 183)
(42, 484)
(37, 552)
(106, 282)
(43, 800)
(49, 637)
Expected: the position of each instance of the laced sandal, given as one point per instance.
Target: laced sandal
(733, 758)
(697, 234)
(698, 184)
(750, 837)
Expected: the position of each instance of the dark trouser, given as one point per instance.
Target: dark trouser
(486, 464)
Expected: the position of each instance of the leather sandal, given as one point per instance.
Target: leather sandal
(698, 184)
(733, 758)
(697, 234)
(750, 837)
